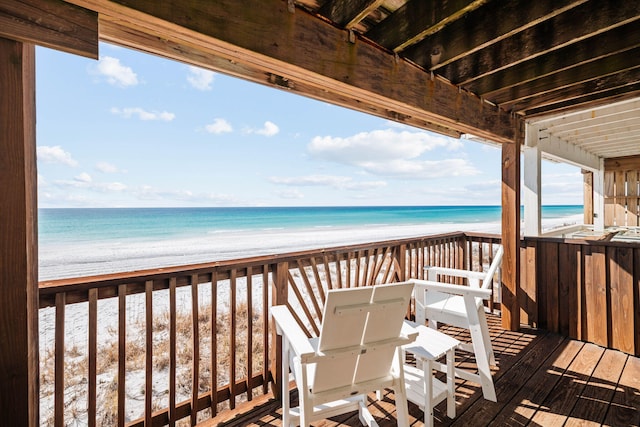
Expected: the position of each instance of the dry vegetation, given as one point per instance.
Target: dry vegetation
(76, 365)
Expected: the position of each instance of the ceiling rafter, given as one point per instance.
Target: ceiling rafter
(596, 17)
(416, 20)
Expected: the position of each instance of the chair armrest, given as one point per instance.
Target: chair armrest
(287, 326)
(480, 275)
(450, 289)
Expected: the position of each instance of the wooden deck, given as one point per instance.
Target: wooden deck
(542, 379)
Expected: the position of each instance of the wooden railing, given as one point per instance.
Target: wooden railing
(587, 290)
(157, 346)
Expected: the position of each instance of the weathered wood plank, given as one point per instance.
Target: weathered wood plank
(548, 277)
(594, 16)
(596, 315)
(562, 397)
(594, 401)
(529, 284)
(567, 306)
(19, 368)
(621, 270)
(51, 23)
(625, 406)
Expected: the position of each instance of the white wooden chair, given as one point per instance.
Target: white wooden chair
(358, 351)
(462, 306)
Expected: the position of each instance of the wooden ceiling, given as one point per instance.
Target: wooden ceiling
(461, 66)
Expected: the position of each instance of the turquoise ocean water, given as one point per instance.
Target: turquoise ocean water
(148, 224)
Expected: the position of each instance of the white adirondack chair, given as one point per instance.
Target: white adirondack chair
(462, 306)
(357, 352)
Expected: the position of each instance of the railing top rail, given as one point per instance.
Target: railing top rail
(140, 276)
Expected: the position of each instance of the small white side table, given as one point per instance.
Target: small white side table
(423, 388)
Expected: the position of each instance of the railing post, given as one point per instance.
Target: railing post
(279, 294)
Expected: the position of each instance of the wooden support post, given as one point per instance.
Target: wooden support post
(588, 196)
(279, 297)
(19, 372)
(511, 230)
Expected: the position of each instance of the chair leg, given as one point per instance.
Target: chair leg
(486, 337)
(482, 360)
(428, 392)
(285, 383)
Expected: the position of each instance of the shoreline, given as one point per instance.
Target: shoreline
(68, 260)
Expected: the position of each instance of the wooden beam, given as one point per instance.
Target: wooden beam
(304, 50)
(511, 230)
(19, 369)
(115, 32)
(51, 23)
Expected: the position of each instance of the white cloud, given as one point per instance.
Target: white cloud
(107, 167)
(392, 153)
(269, 129)
(84, 178)
(142, 114)
(55, 154)
(339, 182)
(85, 181)
(116, 73)
(199, 78)
(219, 126)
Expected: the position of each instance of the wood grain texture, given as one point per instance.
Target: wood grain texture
(19, 368)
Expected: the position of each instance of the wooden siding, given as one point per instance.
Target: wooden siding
(585, 290)
(622, 192)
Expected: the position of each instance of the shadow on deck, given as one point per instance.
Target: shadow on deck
(542, 379)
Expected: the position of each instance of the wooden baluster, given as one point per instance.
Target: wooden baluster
(195, 337)
(265, 328)
(249, 333)
(59, 360)
(122, 352)
(172, 351)
(214, 343)
(148, 388)
(232, 338)
(93, 352)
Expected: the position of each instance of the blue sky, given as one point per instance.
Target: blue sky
(135, 130)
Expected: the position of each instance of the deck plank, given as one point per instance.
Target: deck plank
(592, 405)
(625, 407)
(563, 397)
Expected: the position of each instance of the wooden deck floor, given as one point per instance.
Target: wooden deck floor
(542, 379)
